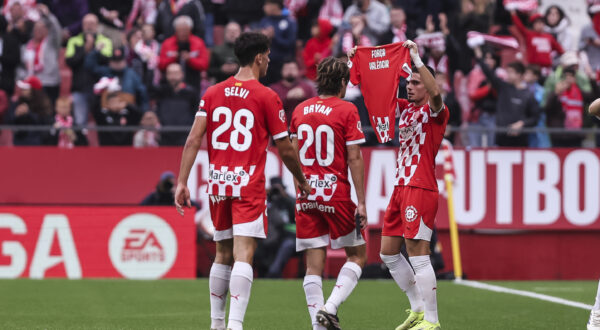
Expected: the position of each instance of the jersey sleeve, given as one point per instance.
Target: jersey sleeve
(275, 116)
(441, 116)
(353, 129)
(353, 65)
(293, 124)
(204, 105)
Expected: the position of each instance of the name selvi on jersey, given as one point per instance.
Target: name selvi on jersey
(240, 116)
(324, 128)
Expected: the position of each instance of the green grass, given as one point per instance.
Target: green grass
(181, 304)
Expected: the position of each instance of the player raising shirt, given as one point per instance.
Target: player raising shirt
(327, 132)
(410, 215)
(238, 116)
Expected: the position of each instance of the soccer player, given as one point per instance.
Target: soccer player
(238, 115)
(410, 215)
(594, 321)
(327, 131)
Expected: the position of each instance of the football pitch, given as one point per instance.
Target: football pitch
(278, 304)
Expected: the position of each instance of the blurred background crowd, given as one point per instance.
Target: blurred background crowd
(131, 72)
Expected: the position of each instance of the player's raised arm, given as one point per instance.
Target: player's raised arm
(435, 97)
(190, 150)
(289, 156)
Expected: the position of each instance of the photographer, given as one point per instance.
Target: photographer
(83, 81)
(274, 252)
(163, 195)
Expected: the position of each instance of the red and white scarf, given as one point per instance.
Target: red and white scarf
(64, 141)
(34, 57)
(399, 34)
(572, 105)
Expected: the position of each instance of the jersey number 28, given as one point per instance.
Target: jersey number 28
(238, 128)
(305, 132)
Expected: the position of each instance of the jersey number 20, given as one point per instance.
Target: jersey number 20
(238, 128)
(305, 132)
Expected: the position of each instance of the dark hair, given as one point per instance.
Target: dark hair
(277, 2)
(493, 54)
(331, 72)
(517, 66)
(570, 70)
(248, 45)
(289, 59)
(430, 69)
(535, 69)
(131, 33)
(561, 14)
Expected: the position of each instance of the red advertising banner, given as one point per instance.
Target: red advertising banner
(83, 242)
(538, 189)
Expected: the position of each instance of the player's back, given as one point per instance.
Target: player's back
(324, 127)
(241, 115)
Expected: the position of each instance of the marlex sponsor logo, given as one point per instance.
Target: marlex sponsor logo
(228, 176)
(143, 246)
(327, 182)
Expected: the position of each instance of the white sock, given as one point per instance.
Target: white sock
(404, 276)
(597, 304)
(313, 289)
(240, 286)
(346, 281)
(218, 284)
(427, 284)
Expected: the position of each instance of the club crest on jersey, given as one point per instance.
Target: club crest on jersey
(323, 188)
(410, 213)
(282, 115)
(382, 127)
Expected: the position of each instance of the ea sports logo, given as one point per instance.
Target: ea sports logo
(410, 213)
(142, 246)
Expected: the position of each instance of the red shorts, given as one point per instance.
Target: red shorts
(319, 222)
(411, 213)
(238, 217)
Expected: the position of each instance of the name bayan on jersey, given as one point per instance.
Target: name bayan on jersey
(317, 108)
(236, 91)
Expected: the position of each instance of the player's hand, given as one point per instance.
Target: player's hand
(361, 210)
(351, 52)
(412, 46)
(305, 189)
(182, 198)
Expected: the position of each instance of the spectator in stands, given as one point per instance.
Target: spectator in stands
(293, 88)
(589, 43)
(149, 135)
(539, 44)
(318, 47)
(483, 99)
(375, 15)
(244, 12)
(565, 108)
(10, 57)
(558, 25)
(223, 62)
(356, 35)
(116, 112)
(282, 32)
(69, 14)
(19, 22)
(532, 78)
(176, 104)
(142, 12)
(63, 133)
(164, 193)
(129, 81)
(40, 55)
(186, 49)
(31, 108)
(516, 107)
(147, 51)
(78, 47)
(398, 31)
(168, 11)
(567, 60)
(451, 102)
(113, 15)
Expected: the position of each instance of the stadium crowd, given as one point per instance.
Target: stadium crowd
(72, 64)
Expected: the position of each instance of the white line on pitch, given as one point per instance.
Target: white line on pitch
(496, 288)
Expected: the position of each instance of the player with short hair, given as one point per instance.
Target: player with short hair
(327, 132)
(410, 215)
(238, 115)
